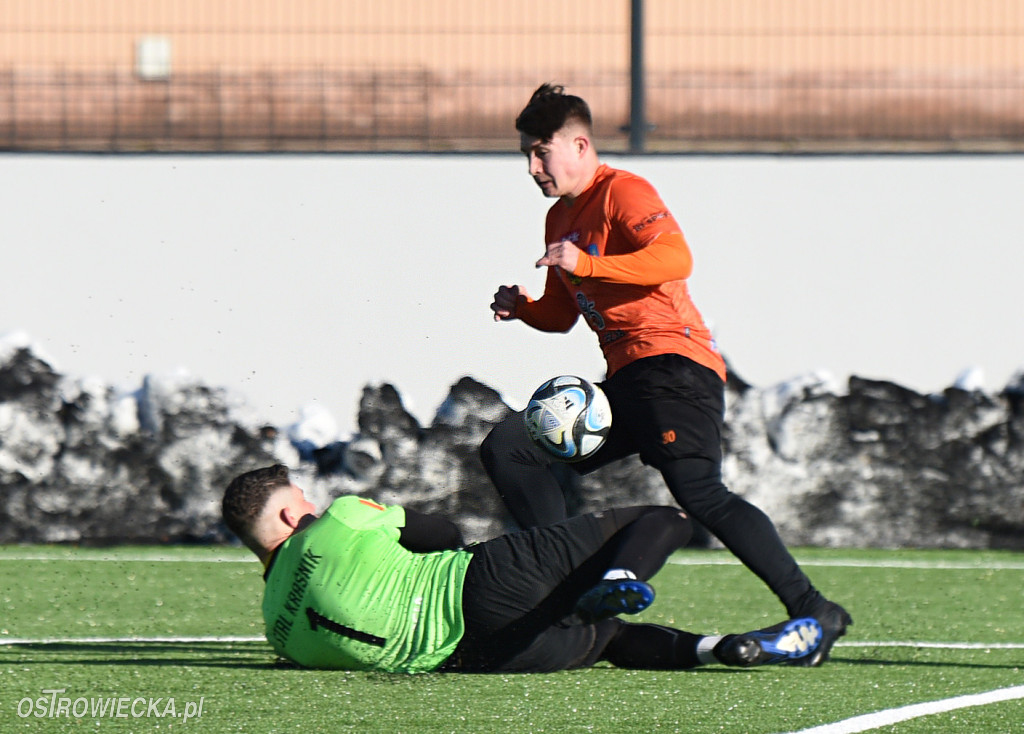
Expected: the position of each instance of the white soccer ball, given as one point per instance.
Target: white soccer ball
(568, 417)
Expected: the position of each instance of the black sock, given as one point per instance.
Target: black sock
(652, 647)
(722, 642)
(646, 543)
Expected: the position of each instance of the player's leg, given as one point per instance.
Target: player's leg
(514, 574)
(655, 647)
(676, 409)
(642, 545)
(519, 585)
(530, 482)
(743, 528)
(691, 467)
(751, 536)
(639, 551)
(521, 472)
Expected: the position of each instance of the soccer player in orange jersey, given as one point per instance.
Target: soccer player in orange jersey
(617, 257)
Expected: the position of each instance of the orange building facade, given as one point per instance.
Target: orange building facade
(432, 75)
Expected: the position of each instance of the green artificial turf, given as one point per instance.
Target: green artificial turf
(72, 615)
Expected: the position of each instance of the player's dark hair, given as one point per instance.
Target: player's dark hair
(549, 110)
(247, 495)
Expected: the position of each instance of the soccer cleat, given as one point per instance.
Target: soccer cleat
(609, 598)
(787, 641)
(834, 620)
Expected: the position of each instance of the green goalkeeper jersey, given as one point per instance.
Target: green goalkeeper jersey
(342, 593)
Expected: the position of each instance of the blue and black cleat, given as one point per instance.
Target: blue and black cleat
(610, 598)
(787, 641)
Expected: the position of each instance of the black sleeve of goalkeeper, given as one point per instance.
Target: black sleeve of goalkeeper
(425, 533)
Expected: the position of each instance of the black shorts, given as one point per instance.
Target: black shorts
(664, 408)
(520, 591)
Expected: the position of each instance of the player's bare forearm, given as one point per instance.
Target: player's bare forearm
(563, 254)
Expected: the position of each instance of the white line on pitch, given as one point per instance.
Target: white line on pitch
(850, 563)
(936, 645)
(253, 638)
(866, 722)
(130, 559)
(938, 565)
(694, 561)
(114, 640)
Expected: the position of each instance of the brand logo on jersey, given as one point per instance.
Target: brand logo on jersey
(586, 306)
(591, 250)
(649, 220)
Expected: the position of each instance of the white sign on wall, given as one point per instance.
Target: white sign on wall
(153, 58)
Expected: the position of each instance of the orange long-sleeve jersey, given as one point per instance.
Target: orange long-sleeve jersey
(630, 281)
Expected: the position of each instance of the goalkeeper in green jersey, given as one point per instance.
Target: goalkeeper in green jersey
(365, 586)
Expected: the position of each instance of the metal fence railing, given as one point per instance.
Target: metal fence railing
(321, 110)
(414, 110)
(743, 75)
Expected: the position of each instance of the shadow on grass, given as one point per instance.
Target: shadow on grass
(205, 654)
(922, 663)
(258, 656)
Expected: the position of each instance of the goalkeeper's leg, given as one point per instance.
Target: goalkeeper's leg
(654, 647)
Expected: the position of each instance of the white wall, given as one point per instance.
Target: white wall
(299, 278)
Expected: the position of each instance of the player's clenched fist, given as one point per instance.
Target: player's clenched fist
(505, 299)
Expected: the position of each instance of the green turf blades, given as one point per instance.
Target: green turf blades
(901, 600)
